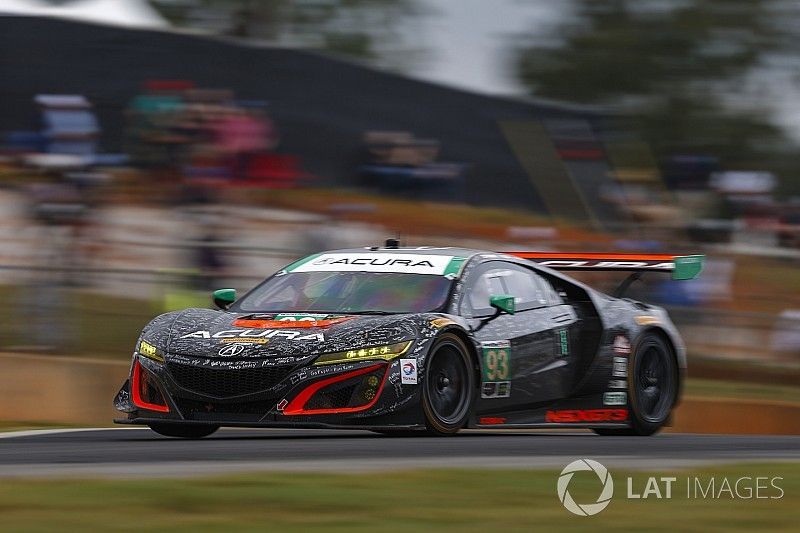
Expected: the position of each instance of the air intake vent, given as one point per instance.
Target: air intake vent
(224, 383)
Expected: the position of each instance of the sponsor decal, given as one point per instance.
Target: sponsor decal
(620, 367)
(245, 340)
(291, 317)
(496, 360)
(377, 262)
(496, 389)
(646, 320)
(622, 345)
(250, 333)
(441, 322)
(606, 492)
(617, 384)
(491, 420)
(408, 371)
(147, 349)
(595, 264)
(586, 415)
(563, 342)
(615, 398)
(231, 350)
(304, 323)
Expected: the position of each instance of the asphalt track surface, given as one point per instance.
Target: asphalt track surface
(139, 452)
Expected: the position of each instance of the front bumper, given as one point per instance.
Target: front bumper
(358, 395)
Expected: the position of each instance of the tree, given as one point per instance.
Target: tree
(363, 29)
(683, 68)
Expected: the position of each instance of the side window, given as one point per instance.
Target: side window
(548, 291)
(528, 288)
(485, 285)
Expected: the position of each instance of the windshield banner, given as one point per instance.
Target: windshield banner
(376, 262)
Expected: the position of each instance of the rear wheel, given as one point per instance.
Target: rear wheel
(448, 391)
(652, 387)
(186, 431)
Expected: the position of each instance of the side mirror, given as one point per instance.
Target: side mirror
(224, 297)
(503, 303)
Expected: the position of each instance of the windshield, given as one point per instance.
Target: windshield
(348, 292)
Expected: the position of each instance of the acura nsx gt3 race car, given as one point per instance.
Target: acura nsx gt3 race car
(399, 340)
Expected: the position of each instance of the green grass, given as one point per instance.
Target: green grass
(25, 425)
(448, 500)
(19, 425)
(708, 388)
(77, 322)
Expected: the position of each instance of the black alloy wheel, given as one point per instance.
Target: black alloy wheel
(652, 387)
(449, 385)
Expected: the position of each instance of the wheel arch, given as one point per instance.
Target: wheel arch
(471, 348)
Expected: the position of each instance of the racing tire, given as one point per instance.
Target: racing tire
(652, 387)
(185, 431)
(449, 386)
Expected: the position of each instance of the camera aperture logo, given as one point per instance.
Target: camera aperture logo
(585, 509)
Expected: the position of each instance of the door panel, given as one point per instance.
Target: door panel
(513, 347)
(525, 357)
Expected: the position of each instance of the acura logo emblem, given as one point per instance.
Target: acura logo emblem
(231, 350)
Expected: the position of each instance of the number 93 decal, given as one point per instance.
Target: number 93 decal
(496, 361)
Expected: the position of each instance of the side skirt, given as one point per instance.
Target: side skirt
(550, 425)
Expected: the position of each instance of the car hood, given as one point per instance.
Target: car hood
(220, 334)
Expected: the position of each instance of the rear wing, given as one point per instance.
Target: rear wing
(682, 267)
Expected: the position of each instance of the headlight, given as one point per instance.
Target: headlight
(151, 352)
(385, 352)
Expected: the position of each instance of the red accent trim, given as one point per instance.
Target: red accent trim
(587, 415)
(296, 406)
(491, 420)
(136, 394)
(288, 324)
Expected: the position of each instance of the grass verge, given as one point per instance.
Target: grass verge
(710, 388)
(20, 425)
(447, 500)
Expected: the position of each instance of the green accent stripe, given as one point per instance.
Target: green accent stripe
(302, 262)
(454, 266)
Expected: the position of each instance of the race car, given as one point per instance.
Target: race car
(403, 341)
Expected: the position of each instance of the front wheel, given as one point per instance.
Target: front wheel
(448, 391)
(185, 431)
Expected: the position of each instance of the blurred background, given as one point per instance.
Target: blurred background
(153, 151)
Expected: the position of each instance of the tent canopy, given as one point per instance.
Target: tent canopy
(129, 13)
